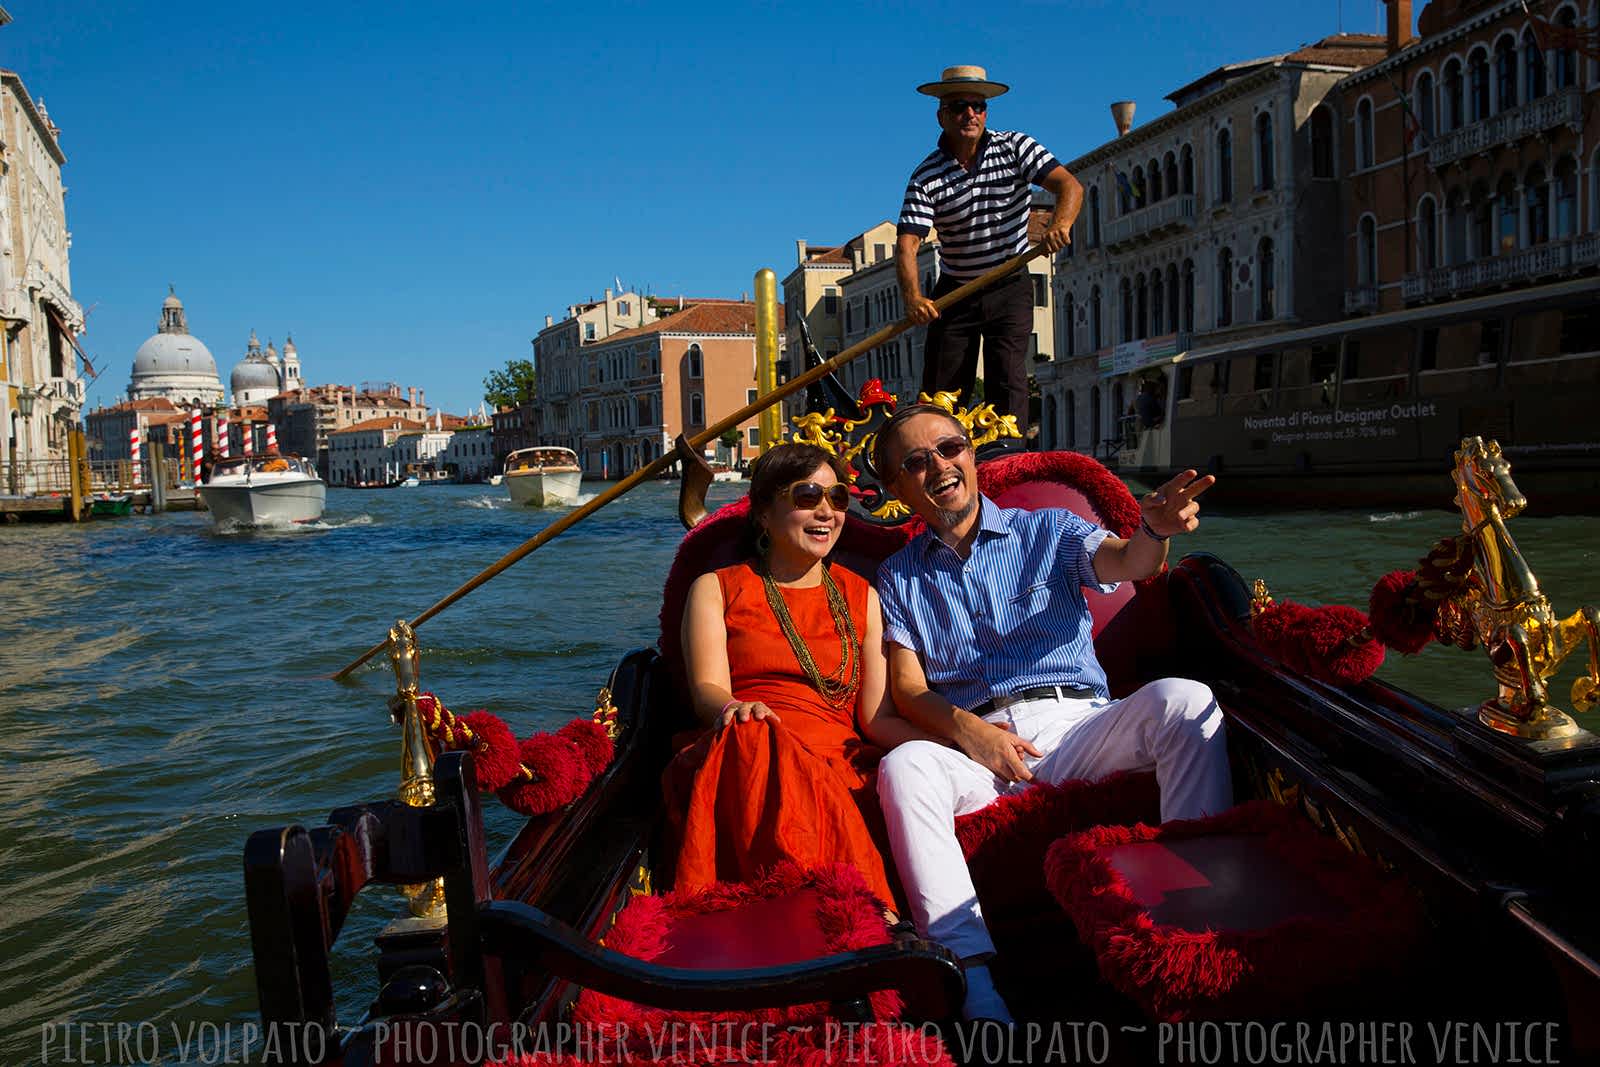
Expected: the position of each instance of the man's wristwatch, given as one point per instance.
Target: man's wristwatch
(1148, 532)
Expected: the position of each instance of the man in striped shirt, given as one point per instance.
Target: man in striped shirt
(989, 644)
(975, 189)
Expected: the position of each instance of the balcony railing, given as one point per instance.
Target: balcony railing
(1165, 216)
(1508, 127)
(1362, 300)
(1524, 265)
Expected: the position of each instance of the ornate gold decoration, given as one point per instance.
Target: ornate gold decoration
(1508, 614)
(426, 900)
(605, 713)
(1260, 599)
(837, 434)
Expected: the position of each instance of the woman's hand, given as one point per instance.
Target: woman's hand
(743, 711)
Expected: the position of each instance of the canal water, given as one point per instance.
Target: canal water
(163, 693)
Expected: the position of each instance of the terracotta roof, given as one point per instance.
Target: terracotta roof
(382, 422)
(1343, 50)
(831, 255)
(158, 403)
(710, 317)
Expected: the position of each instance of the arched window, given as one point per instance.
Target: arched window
(1170, 167)
(1455, 228)
(696, 364)
(1422, 103)
(697, 409)
(1536, 196)
(1266, 280)
(1155, 181)
(1505, 195)
(1533, 78)
(1478, 85)
(1072, 421)
(1565, 60)
(1172, 295)
(1224, 314)
(1094, 216)
(1224, 166)
(1482, 229)
(1566, 197)
(1126, 292)
(1186, 170)
(1451, 98)
(1367, 251)
(1047, 431)
(1505, 74)
(1322, 142)
(1364, 153)
(1141, 192)
(1427, 234)
(1069, 324)
(1157, 304)
(1094, 419)
(1187, 318)
(1264, 173)
(1141, 308)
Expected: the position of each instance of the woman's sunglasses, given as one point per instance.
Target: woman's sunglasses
(809, 494)
(948, 449)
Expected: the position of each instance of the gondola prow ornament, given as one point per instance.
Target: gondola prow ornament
(426, 900)
(1503, 608)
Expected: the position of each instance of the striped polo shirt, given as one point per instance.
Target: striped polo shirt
(1009, 616)
(981, 215)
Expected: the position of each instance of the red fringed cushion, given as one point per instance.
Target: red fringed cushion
(788, 915)
(888, 1044)
(1250, 913)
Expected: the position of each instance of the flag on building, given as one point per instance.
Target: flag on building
(1554, 37)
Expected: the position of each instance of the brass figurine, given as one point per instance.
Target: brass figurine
(1503, 609)
(426, 900)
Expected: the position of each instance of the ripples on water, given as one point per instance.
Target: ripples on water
(163, 693)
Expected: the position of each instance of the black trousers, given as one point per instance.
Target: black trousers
(1001, 317)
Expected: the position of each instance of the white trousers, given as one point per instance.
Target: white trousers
(1172, 725)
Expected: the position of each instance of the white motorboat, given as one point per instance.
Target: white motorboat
(543, 475)
(270, 490)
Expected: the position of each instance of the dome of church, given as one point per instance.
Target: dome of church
(252, 374)
(174, 363)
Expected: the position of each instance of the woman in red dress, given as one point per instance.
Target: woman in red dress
(786, 669)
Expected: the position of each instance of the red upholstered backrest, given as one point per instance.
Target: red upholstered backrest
(1129, 625)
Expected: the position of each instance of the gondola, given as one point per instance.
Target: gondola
(1399, 879)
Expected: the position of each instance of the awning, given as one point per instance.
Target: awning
(1473, 307)
(66, 331)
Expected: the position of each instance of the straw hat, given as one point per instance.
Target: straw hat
(973, 81)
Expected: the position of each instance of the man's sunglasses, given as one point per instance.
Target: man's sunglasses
(809, 494)
(949, 449)
(977, 107)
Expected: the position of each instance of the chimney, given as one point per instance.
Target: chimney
(422, 398)
(549, 321)
(1400, 33)
(412, 394)
(609, 295)
(1122, 115)
(800, 251)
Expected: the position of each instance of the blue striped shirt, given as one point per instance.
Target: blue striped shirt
(982, 214)
(1010, 616)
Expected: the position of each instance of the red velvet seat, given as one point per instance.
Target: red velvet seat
(787, 916)
(1251, 913)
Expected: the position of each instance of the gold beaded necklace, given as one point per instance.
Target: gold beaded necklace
(835, 689)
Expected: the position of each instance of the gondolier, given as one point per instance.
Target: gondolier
(974, 190)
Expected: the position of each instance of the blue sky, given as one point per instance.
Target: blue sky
(411, 188)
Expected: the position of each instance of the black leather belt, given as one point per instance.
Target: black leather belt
(1037, 692)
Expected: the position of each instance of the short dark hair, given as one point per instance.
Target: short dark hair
(891, 430)
(785, 464)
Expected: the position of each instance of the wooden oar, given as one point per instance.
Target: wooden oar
(710, 433)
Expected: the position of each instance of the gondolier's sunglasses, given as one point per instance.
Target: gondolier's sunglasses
(955, 107)
(809, 494)
(948, 449)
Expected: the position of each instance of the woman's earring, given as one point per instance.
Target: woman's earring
(763, 542)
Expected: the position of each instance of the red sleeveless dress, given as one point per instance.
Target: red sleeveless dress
(801, 789)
